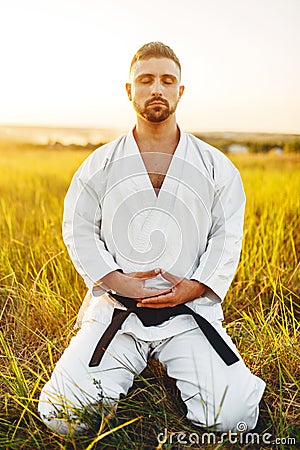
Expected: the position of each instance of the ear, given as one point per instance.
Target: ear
(128, 90)
(181, 91)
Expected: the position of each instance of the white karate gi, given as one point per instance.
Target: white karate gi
(113, 219)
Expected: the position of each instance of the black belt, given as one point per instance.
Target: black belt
(156, 316)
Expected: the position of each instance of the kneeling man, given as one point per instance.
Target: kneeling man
(153, 222)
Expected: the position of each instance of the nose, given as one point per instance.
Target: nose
(157, 89)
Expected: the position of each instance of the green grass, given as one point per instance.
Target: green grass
(40, 294)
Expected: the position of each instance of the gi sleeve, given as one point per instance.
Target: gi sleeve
(219, 261)
(81, 227)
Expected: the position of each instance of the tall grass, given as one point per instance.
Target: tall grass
(40, 294)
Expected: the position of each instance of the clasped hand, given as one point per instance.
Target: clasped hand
(133, 285)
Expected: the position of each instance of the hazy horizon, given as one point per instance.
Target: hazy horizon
(125, 130)
(45, 135)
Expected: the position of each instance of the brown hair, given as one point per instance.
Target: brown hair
(155, 50)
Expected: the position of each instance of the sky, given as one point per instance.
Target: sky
(66, 62)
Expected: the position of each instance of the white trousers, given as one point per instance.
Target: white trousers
(215, 394)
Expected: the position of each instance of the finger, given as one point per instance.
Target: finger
(170, 277)
(145, 275)
(154, 293)
(156, 305)
(150, 293)
(169, 297)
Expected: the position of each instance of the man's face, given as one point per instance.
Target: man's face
(155, 88)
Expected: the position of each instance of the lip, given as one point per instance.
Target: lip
(157, 103)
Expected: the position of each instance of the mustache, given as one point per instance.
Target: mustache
(156, 99)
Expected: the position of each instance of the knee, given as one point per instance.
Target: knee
(58, 417)
(240, 418)
(66, 418)
(65, 427)
(235, 418)
(235, 408)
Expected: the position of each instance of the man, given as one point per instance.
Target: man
(153, 223)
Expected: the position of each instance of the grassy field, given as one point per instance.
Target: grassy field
(40, 294)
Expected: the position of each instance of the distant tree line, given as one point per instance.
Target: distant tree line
(290, 145)
(254, 146)
(265, 147)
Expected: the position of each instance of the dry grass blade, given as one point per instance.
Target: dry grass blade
(40, 294)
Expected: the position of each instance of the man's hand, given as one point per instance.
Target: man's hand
(132, 284)
(183, 290)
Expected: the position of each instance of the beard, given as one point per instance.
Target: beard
(155, 113)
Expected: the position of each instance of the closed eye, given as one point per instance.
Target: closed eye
(168, 81)
(145, 80)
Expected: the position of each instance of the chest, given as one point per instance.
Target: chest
(157, 166)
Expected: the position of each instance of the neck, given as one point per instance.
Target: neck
(149, 133)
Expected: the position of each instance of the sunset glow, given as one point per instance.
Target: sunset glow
(66, 62)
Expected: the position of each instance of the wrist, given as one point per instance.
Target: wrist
(112, 280)
(199, 288)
